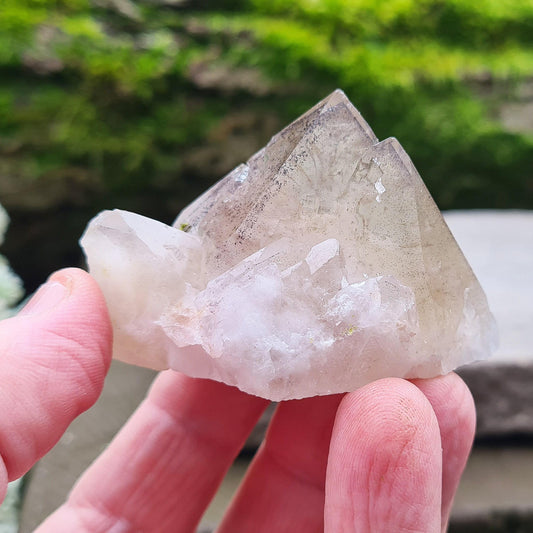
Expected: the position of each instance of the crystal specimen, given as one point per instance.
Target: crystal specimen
(318, 266)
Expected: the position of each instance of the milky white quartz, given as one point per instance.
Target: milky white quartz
(316, 267)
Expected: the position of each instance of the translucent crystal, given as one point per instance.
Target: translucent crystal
(316, 267)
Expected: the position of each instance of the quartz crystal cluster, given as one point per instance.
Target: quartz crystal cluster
(316, 267)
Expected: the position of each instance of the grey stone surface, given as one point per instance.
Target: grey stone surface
(496, 492)
(223, 497)
(496, 479)
(53, 477)
(503, 394)
(499, 247)
(258, 433)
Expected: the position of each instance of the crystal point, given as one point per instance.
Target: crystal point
(316, 267)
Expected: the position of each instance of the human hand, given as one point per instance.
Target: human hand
(386, 458)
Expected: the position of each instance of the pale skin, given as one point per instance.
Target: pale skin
(386, 458)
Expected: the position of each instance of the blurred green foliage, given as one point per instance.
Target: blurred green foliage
(116, 93)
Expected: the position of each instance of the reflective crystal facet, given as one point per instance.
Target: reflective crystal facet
(316, 267)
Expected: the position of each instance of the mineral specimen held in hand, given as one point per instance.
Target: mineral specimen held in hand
(318, 266)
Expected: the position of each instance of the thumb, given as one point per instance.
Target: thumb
(53, 359)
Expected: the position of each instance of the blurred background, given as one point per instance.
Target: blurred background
(143, 104)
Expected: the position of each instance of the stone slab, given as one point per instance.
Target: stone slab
(503, 394)
(496, 479)
(496, 493)
(499, 247)
(258, 433)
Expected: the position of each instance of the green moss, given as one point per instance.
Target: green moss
(116, 96)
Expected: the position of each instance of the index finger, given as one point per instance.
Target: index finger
(53, 359)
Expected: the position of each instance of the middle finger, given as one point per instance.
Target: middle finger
(283, 490)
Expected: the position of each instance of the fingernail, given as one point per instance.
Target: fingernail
(49, 295)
